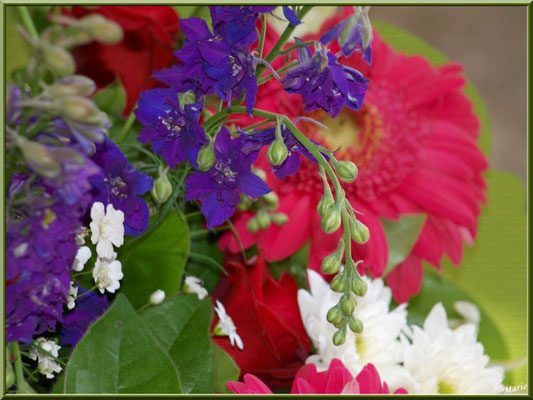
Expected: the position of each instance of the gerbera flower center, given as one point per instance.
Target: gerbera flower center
(444, 387)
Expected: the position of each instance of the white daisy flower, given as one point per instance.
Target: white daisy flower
(46, 364)
(107, 274)
(226, 327)
(82, 256)
(441, 360)
(378, 343)
(72, 295)
(157, 297)
(107, 228)
(194, 285)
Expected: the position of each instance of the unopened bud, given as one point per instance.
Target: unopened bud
(244, 204)
(102, 29)
(334, 315)
(77, 108)
(359, 286)
(260, 173)
(331, 264)
(263, 219)
(277, 152)
(355, 324)
(206, 158)
(162, 188)
(59, 60)
(39, 158)
(339, 337)
(157, 297)
(346, 170)
(271, 199)
(279, 218)
(324, 205)
(337, 284)
(253, 225)
(347, 304)
(359, 231)
(73, 85)
(331, 221)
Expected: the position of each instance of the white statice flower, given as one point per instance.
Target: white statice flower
(82, 256)
(46, 364)
(72, 295)
(194, 285)
(226, 327)
(107, 273)
(157, 297)
(441, 360)
(107, 228)
(378, 343)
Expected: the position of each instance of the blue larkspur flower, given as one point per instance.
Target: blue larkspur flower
(324, 83)
(121, 185)
(174, 132)
(219, 188)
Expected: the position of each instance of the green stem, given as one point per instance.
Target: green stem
(28, 22)
(279, 71)
(127, 126)
(261, 46)
(19, 373)
(296, 46)
(207, 260)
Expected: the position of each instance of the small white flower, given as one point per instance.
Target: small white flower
(441, 360)
(72, 295)
(226, 327)
(379, 342)
(157, 297)
(107, 228)
(46, 364)
(194, 285)
(20, 250)
(82, 256)
(107, 274)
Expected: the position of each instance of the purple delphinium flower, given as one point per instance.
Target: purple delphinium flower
(121, 185)
(174, 132)
(352, 33)
(89, 307)
(219, 188)
(40, 251)
(324, 83)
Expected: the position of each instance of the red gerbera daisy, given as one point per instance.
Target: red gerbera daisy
(414, 142)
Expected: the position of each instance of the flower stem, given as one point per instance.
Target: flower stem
(127, 126)
(19, 373)
(297, 46)
(261, 45)
(28, 22)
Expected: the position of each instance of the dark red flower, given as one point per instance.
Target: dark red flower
(266, 315)
(147, 46)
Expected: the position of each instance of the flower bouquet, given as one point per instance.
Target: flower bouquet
(252, 200)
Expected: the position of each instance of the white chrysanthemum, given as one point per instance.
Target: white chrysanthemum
(107, 274)
(194, 285)
(157, 297)
(441, 360)
(72, 295)
(226, 327)
(378, 343)
(107, 228)
(82, 256)
(46, 364)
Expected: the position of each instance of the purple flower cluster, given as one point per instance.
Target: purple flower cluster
(219, 188)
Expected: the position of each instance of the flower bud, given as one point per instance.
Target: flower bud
(253, 225)
(339, 337)
(162, 188)
(102, 29)
(244, 204)
(277, 152)
(73, 85)
(157, 297)
(347, 304)
(271, 199)
(359, 286)
(331, 263)
(359, 231)
(337, 284)
(77, 108)
(263, 219)
(39, 158)
(325, 203)
(331, 221)
(334, 315)
(59, 60)
(346, 170)
(260, 173)
(206, 158)
(355, 324)
(279, 218)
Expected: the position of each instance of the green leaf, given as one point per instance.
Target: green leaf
(401, 237)
(224, 369)
(59, 386)
(118, 354)
(181, 326)
(156, 261)
(16, 47)
(112, 98)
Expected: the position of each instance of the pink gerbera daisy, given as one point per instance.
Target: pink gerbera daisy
(414, 142)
